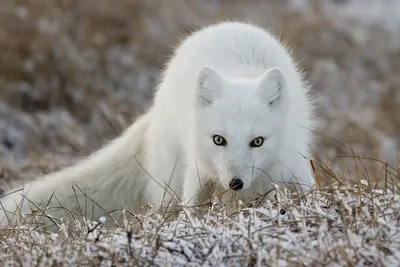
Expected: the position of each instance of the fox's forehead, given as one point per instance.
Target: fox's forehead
(239, 112)
(241, 106)
(242, 115)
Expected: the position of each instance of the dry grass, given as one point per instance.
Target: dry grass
(347, 223)
(333, 226)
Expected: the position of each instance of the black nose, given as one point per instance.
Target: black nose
(236, 184)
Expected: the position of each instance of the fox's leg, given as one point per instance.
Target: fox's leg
(191, 184)
(163, 172)
(296, 171)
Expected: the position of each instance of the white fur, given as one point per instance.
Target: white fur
(230, 79)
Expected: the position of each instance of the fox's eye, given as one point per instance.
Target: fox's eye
(219, 140)
(257, 142)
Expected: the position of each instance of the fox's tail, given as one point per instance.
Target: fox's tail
(106, 177)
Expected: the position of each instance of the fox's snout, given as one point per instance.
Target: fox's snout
(236, 184)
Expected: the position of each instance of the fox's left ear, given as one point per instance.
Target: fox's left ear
(272, 89)
(209, 86)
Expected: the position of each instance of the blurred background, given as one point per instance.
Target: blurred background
(75, 73)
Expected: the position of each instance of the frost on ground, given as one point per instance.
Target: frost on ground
(336, 226)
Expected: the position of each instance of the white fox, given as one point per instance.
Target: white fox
(231, 108)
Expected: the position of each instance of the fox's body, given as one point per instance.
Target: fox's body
(228, 88)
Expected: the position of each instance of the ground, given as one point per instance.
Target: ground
(75, 73)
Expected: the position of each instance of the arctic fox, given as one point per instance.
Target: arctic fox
(231, 108)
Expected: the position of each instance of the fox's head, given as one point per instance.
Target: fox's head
(239, 125)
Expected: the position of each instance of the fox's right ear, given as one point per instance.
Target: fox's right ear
(209, 86)
(272, 89)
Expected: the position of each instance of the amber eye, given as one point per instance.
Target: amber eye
(219, 140)
(257, 142)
